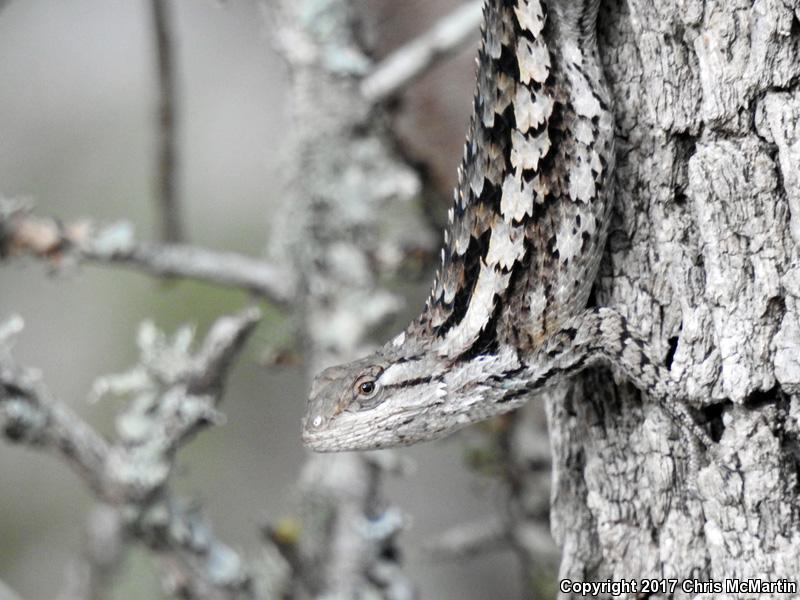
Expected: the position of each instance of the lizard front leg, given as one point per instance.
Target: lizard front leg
(603, 336)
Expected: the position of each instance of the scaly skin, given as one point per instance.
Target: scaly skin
(507, 313)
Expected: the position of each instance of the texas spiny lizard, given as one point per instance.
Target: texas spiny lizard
(507, 313)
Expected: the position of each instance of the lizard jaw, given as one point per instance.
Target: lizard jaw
(352, 431)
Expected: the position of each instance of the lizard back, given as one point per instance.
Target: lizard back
(529, 221)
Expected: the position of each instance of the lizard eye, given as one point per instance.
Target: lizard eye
(366, 388)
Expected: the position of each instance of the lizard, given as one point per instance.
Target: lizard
(507, 314)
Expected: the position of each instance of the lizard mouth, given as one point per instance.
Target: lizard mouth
(334, 435)
(336, 441)
(314, 441)
(347, 432)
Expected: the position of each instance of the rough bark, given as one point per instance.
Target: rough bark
(703, 255)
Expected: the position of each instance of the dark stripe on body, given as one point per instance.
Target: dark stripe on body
(473, 257)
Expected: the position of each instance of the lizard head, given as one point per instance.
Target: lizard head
(398, 397)
(375, 402)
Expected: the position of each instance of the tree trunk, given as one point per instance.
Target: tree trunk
(702, 258)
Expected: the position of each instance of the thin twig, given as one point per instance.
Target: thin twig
(176, 393)
(167, 168)
(115, 245)
(396, 71)
(223, 268)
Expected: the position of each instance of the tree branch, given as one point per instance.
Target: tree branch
(174, 393)
(396, 71)
(167, 177)
(29, 415)
(115, 245)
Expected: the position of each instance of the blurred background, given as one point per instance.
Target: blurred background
(77, 135)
